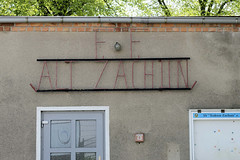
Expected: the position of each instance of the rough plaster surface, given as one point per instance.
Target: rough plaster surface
(162, 116)
(173, 151)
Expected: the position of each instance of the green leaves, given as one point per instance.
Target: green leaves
(204, 7)
(55, 8)
(119, 7)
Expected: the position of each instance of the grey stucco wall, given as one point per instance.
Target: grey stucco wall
(162, 116)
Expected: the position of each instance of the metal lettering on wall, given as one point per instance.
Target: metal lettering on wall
(114, 74)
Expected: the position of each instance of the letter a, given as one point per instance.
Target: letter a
(123, 75)
(49, 78)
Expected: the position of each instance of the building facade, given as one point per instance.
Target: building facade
(69, 92)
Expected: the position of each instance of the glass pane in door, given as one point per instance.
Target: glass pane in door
(86, 156)
(60, 156)
(60, 134)
(86, 133)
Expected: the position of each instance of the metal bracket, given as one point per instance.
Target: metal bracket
(44, 123)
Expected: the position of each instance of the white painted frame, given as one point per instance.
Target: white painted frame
(73, 108)
(191, 125)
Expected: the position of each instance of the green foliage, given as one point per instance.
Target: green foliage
(188, 7)
(18, 7)
(207, 8)
(74, 8)
(55, 8)
(120, 7)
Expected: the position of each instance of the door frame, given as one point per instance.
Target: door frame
(73, 108)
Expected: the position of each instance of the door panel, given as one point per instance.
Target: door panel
(60, 156)
(86, 134)
(72, 135)
(60, 134)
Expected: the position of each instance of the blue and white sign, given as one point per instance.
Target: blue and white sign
(216, 115)
(214, 135)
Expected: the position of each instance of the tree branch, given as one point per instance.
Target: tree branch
(164, 8)
(109, 7)
(222, 6)
(202, 4)
(210, 7)
(43, 8)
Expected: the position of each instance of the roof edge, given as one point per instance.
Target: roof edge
(69, 19)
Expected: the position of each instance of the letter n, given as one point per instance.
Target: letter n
(179, 69)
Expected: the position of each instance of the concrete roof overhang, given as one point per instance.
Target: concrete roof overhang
(69, 19)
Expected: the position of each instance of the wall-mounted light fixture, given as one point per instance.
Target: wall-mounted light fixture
(117, 46)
